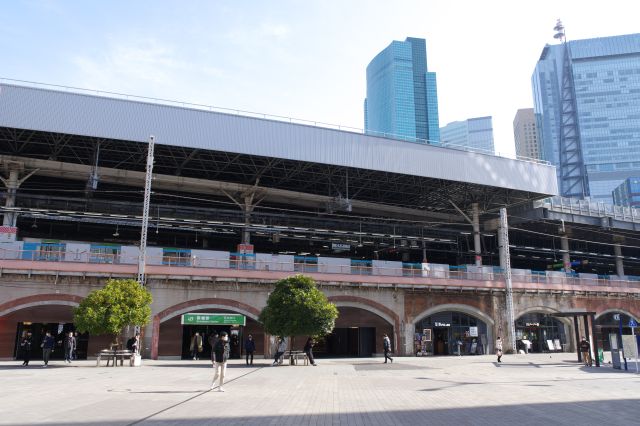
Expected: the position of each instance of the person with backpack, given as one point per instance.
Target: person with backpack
(220, 358)
(386, 344)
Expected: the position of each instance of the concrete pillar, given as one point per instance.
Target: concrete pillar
(566, 258)
(617, 251)
(476, 234)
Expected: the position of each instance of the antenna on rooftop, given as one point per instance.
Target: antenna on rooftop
(559, 29)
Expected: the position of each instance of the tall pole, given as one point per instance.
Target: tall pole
(506, 263)
(145, 211)
(476, 234)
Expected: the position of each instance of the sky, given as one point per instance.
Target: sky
(304, 59)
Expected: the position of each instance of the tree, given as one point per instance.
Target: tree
(297, 307)
(109, 310)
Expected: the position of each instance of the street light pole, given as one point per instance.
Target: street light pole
(145, 212)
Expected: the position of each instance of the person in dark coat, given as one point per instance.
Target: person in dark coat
(47, 347)
(386, 344)
(25, 347)
(308, 349)
(250, 348)
(585, 348)
(69, 347)
(220, 358)
(213, 339)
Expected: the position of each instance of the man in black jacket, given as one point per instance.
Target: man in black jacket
(585, 348)
(25, 346)
(220, 357)
(47, 347)
(250, 348)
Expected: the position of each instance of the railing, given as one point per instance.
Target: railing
(590, 208)
(188, 266)
(252, 114)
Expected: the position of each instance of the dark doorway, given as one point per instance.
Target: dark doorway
(348, 342)
(441, 341)
(206, 331)
(58, 331)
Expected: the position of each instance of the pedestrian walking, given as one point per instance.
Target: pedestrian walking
(386, 344)
(585, 348)
(213, 339)
(220, 358)
(281, 349)
(499, 348)
(196, 346)
(308, 349)
(69, 347)
(47, 347)
(25, 347)
(76, 335)
(249, 348)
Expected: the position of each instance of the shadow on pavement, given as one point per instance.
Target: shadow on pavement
(620, 411)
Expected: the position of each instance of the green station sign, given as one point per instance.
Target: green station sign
(213, 319)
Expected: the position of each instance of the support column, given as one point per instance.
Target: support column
(505, 263)
(12, 183)
(617, 251)
(566, 258)
(476, 233)
(595, 340)
(576, 328)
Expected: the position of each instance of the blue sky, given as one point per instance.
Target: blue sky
(304, 59)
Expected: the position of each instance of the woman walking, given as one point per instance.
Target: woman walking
(499, 348)
(308, 349)
(220, 357)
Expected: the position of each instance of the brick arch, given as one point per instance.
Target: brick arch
(373, 307)
(39, 300)
(617, 311)
(196, 304)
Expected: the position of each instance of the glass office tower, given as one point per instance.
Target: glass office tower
(475, 134)
(402, 99)
(587, 104)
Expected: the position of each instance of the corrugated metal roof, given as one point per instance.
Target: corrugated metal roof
(103, 117)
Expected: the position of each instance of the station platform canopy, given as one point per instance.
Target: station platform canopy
(65, 134)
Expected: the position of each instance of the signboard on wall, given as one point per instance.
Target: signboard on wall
(473, 331)
(213, 319)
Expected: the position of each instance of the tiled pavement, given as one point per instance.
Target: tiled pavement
(523, 390)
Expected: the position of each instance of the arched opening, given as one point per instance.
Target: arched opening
(175, 340)
(172, 340)
(37, 316)
(607, 327)
(358, 333)
(541, 332)
(451, 332)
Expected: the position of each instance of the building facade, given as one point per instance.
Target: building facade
(402, 98)
(627, 194)
(525, 134)
(475, 134)
(587, 105)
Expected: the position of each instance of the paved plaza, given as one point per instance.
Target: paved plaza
(535, 389)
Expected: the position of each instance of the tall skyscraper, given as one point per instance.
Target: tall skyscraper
(627, 193)
(476, 134)
(402, 99)
(587, 104)
(525, 134)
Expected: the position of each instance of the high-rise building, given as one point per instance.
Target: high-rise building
(627, 193)
(402, 99)
(525, 134)
(587, 105)
(475, 134)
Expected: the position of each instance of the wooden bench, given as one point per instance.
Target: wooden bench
(113, 355)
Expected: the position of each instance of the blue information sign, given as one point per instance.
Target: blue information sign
(633, 323)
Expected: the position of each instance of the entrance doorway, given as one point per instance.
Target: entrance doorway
(207, 331)
(441, 341)
(348, 342)
(538, 331)
(58, 332)
(452, 332)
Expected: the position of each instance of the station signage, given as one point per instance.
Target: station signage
(213, 319)
(442, 324)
